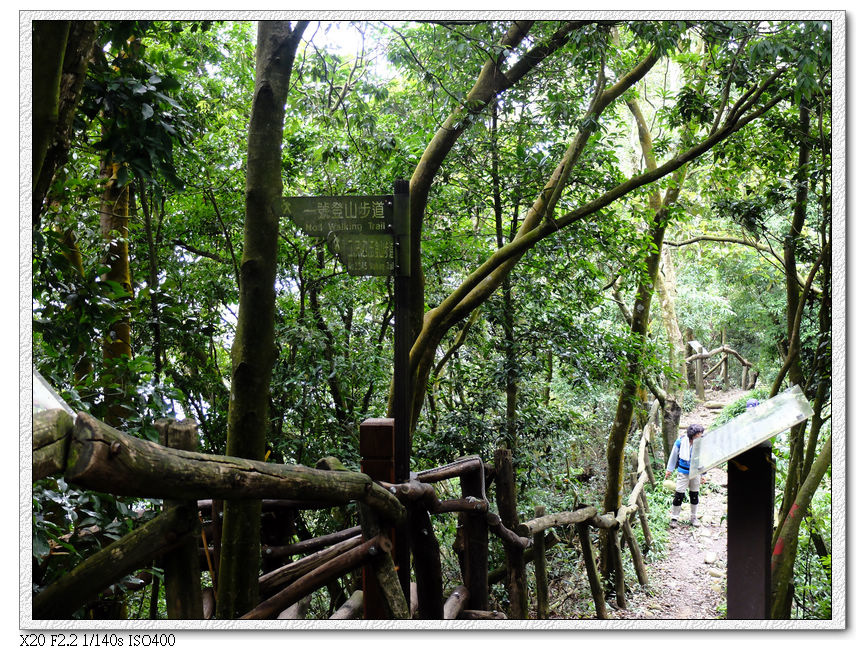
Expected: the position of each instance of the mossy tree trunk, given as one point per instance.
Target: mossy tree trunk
(117, 341)
(793, 343)
(61, 53)
(639, 322)
(253, 352)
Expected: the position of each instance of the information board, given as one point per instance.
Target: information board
(362, 231)
(319, 215)
(363, 254)
(748, 430)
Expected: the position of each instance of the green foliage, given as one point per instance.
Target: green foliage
(737, 407)
(170, 101)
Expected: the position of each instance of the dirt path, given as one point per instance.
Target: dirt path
(690, 583)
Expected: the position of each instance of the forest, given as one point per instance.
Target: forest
(615, 229)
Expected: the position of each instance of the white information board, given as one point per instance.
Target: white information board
(748, 430)
(45, 397)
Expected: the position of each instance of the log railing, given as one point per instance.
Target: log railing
(749, 376)
(92, 455)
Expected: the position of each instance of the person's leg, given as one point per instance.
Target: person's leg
(694, 494)
(678, 497)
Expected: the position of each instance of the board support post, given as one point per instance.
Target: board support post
(403, 340)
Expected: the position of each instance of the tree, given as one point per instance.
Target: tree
(253, 352)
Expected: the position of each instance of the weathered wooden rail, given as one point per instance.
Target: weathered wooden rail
(749, 375)
(92, 455)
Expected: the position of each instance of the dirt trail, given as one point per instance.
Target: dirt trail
(690, 583)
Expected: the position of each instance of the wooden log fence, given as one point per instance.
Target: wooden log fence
(102, 458)
(700, 377)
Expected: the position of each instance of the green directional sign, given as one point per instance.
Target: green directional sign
(363, 231)
(363, 254)
(318, 216)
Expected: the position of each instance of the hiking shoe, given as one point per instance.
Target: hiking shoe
(674, 523)
(696, 522)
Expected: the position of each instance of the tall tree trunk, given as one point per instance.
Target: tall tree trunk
(671, 409)
(153, 282)
(493, 79)
(665, 285)
(253, 352)
(117, 341)
(49, 47)
(797, 433)
(61, 54)
(509, 343)
(628, 394)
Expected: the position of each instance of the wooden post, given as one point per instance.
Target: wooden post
(592, 571)
(476, 538)
(182, 577)
(506, 499)
(540, 560)
(636, 555)
(698, 378)
(725, 368)
(750, 505)
(427, 565)
(216, 519)
(377, 462)
(642, 508)
(619, 569)
(698, 370)
(403, 386)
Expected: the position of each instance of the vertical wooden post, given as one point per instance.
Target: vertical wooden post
(725, 365)
(540, 561)
(476, 539)
(636, 555)
(506, 499)
(377, 462)
(592, 571)
(642, 507)
(619, 567)
(403, 339)
(182, 570)
(216, 519)
(698, 379)
(750, 504)
(427, 565)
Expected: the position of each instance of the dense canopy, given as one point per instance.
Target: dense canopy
(588, 198)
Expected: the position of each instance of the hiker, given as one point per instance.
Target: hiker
(680, 459)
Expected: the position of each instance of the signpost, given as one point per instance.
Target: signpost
(371, 237)
(743, 442)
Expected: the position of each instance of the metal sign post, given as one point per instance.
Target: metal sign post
(371, 236)
(744, 443)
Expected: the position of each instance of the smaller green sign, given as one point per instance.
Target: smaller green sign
(363, 254)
